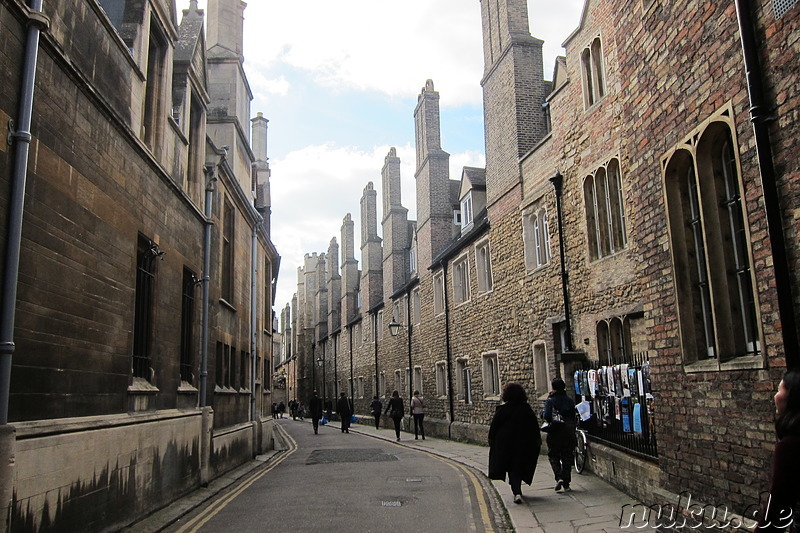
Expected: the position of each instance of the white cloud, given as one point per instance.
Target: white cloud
(387, 47)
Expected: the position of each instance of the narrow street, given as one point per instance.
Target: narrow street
(351, 482)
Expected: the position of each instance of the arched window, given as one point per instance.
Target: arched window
(710, 250)
(605, 211)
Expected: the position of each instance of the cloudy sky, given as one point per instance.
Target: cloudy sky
(339, 81)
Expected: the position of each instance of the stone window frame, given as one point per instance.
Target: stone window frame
(157, 82)
(461, 281)
(417, 379)
(227, 253)
(441, 379)
(463, 380)
(541, 368)
(382, 384)
(360, 387)
(536, 236)
(398, 380)
(438, 293)
(715, 297)
(490, 367)
(147, 253)
(416, 310)
(604, 208)
(593, 73)
(483, 266)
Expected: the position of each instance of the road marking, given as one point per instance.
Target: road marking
(469, 476)
(212, 510)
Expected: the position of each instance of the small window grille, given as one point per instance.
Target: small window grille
(782, 6)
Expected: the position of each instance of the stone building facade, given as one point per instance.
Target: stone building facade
(629, 214)
(140, 370)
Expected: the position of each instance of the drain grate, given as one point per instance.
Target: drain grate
(349, 455)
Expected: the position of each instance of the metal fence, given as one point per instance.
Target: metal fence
(620, 404)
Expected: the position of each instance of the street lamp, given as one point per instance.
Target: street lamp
(394, 328)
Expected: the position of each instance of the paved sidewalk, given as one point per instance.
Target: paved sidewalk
(592, 506)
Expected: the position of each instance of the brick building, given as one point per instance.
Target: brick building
(632, 232)
(142, 326)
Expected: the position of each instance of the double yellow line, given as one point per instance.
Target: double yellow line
(209, 512)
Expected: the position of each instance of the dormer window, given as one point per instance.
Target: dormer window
(466, 211)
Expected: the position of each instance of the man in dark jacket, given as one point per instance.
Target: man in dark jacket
(315, 408)
(514, 440)
(343, 408)
(559, 411)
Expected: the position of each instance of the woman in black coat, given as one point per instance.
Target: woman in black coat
(514, 440)
(396, 411)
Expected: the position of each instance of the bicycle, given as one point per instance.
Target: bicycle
(581, 450)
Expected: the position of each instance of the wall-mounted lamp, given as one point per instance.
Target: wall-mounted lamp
(320, 361)
(394, 328)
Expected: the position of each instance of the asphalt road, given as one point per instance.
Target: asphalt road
(336, 481)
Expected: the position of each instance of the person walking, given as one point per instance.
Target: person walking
(514, 440)
(293, 405)
(784, 490)
(418, 412)
(315, 410)
(343, 408)
(281, 409)
(328, 408)
(395, 410)
(377, 409)
(559, 412)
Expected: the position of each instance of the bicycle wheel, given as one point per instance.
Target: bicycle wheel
(580, 452)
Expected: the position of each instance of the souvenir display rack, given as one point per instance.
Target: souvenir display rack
(616, 404)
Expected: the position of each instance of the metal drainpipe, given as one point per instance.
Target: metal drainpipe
(21, 139)
(760, 119)
(211, 173)
(408, 334)
(253, 322)
(375, 336)
(447, 346)
(558, 182)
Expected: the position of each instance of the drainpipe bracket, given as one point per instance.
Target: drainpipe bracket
(39, 20)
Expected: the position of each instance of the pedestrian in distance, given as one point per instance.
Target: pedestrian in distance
(418, 412)
(784, 489)
(343, 408)
(395, 410)
(514, 440)
(328, 408)
(559, 412)
(315, 409)
(377, 409)
(274, 410)
(281, 409)
(293, 405)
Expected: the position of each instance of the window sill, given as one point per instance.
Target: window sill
(745, 362)
(224, 390)
(186, 388)
(142, 386)
(226, 303)
(493, 398)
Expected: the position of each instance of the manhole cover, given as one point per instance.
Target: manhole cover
(391, 504)
(354, 455)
